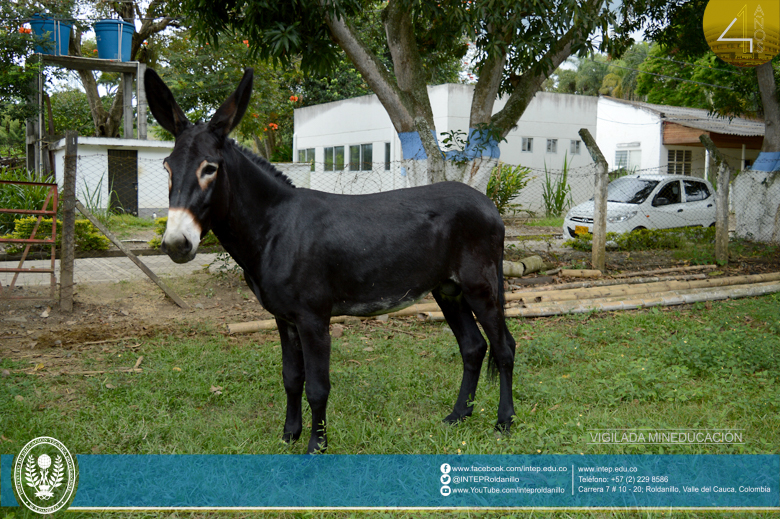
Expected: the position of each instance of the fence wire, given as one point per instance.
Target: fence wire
(128, 192)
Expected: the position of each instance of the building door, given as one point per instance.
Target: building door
(123, 181)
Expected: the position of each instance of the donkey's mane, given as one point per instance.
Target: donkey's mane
(265, 166)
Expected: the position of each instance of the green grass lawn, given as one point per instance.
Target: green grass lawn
(701, 367)
(125, 225)
(548, 221)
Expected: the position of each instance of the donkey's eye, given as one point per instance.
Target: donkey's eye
(207, 172)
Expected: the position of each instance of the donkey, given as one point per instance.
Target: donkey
(309, 255)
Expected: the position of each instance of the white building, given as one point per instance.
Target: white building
(657, 138)
(355, 148)
(126, 175)
(631, 135)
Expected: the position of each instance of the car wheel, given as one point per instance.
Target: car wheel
(638, 228)
(712, 224)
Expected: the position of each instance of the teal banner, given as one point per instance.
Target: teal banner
(421, 481)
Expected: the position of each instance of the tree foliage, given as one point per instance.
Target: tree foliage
(703, 82)
(16, 78)
(676, 25)
(202, 76)
(517, 44)
(154, 16)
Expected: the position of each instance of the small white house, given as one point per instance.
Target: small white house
(128, 176)
(652, 138)
(124, 174)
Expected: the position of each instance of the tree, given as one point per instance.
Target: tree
(518, 44)
(621, 81)
(156, 17)
(17, 78)
(676, 25)
(704, 82)
(201, 76)
(70, 110)
(585, 80)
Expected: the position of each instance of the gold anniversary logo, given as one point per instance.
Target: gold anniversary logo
(744, 33)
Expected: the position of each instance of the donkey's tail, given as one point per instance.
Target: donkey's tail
(492, 367)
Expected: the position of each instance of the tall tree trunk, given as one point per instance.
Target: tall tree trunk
(769, 100)
(409, 73)
(405, 97)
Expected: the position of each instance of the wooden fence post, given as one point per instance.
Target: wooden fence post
(599, 251)
(724, 173)
(68, 221)
(141, 101)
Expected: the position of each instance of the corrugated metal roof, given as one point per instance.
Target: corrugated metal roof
(699, 118)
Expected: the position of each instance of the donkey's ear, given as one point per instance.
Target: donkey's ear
(230, 113)
(163, 105)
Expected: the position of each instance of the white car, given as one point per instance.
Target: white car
(648, 202)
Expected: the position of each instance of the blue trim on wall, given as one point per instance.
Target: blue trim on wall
(477, 145)
(767, 161)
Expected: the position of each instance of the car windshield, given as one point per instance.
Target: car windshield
(630, 190)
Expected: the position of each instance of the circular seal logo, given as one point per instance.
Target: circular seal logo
(745, 33)
(45, 475)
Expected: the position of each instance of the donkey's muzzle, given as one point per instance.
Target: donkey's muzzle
(182, 235)
(179, 249)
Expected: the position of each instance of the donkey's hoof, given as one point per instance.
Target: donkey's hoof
(454, 417)
(504, 428)
(317, 446)
(290, 437)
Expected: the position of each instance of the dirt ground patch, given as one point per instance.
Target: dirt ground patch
(111, 318)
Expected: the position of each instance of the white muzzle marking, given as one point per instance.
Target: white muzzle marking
(182, 224)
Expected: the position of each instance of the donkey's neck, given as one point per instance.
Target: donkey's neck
(249, 194)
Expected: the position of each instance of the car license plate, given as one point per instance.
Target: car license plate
(580, 229)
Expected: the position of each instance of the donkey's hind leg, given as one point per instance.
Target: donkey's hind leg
(472, 349)
(486, 301)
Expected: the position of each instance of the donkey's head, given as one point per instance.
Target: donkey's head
(193, 166)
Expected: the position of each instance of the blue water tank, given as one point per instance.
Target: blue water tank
(57, 31)
(113, 36)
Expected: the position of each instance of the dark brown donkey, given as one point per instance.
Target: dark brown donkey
(309, 255)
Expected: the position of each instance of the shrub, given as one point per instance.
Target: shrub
(505, 184)
(557, 193)
(649, 239)
(15, 196)
(87, 236)
(209, 240)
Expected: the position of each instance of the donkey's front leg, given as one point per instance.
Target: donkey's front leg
(315, 342)
(293, 375)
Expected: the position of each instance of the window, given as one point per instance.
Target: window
(695, 191)
(670, 192)
(354, 158)
(679, 162)
(528, 144)
(361, 157)
(387, 156)
(574, 147)
(334, 158)
(307, 155)
(366, 161)
(628, 159)
(552, 145)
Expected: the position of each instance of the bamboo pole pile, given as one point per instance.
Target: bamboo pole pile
(564, 300)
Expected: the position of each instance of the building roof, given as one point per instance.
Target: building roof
(700, 119)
